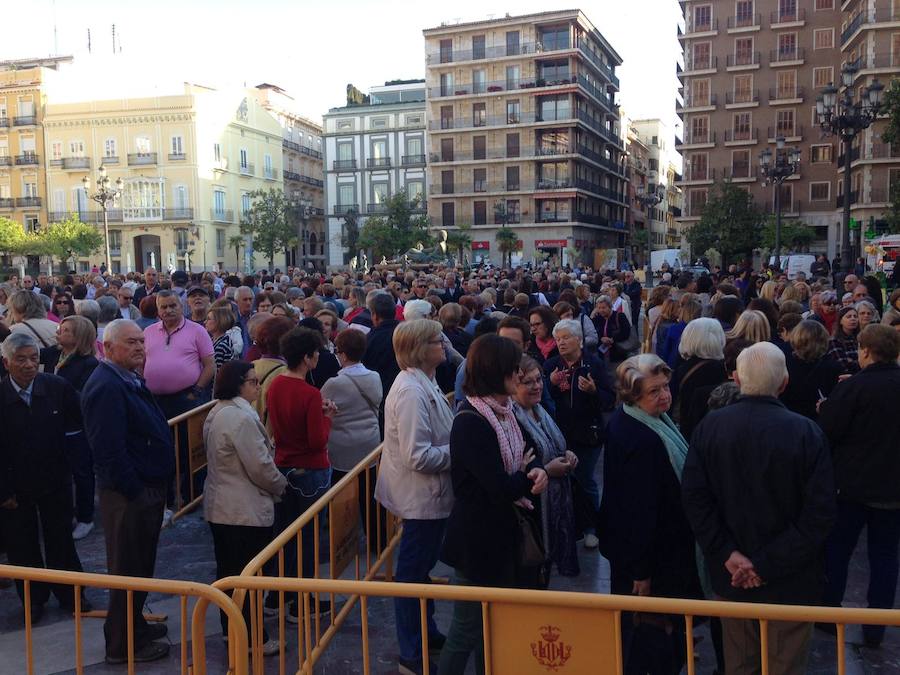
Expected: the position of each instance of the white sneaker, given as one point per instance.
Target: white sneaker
(591, 541)
(82, 530)
(167, 517)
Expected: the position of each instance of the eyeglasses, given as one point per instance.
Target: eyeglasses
(536, 325)
(251, 380)
(60, 302)
(532, 382)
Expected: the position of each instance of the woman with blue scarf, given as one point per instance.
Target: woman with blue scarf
(643, 530)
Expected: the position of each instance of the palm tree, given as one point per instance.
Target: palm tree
(507, 242)
(237, 243)
(460, 239)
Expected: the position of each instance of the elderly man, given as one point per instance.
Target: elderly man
(758, 491)
(861, 422)
(150, 286)
(40, 414)
(198, 302)
(127, 310)
(134, 459)
(243, 298)
(632, 288)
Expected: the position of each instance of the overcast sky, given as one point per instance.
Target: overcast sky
(311, 49)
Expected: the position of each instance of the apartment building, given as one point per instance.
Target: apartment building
(23, 163)
(870, 41)
(189, 164)
(752, 71)
(523, 132)
(303, 175)
(374, 149)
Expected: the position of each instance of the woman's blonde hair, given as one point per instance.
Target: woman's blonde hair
(85, 334)
(411, 340)
(768, 290)
(224, 318)
(809, 340)
(751, 325)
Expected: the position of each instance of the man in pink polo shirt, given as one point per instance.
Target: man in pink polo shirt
(180, 366)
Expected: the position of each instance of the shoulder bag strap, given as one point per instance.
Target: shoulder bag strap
(364, 395)
(36, 334)
(687, 375)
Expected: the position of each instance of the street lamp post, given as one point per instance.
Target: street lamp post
(842, 114)
(302, 208)
(649, 200)
(104, 196)
(785, 164)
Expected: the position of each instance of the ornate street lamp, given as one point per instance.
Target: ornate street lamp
(786, 163)
(105, 196)
(649, 200)
(302, 207)
(840, 113)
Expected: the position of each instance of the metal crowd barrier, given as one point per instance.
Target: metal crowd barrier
(204, 593)
(534, 632)
(340, 506)
(188, 427)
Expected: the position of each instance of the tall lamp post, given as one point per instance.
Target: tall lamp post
(786, 163)
(842, 114)
(649, 200)
(303, 210)
(105, 196)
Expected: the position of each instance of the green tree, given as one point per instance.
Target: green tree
(507, 242)
(397, 231)
(70, 238)
(12, 236)
(236, 242)
(460, 239)
(731, 223)
(270, 223)
(795, 235)
(350, 235)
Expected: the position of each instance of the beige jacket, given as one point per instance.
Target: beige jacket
(242, 481)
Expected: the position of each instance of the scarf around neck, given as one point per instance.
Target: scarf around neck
(543, 431)
(503, 421)
(664, 427)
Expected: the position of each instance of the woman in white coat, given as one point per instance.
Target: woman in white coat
(414, 477)
(242, 481)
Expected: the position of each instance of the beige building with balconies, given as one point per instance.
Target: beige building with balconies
(523, 132)
(752, 71)
(189, 163)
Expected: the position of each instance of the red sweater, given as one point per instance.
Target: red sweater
(298, 424)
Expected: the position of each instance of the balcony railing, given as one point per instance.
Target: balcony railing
(76, 163)
(787, 16)
(708, 63)
(6, 160)
(738, 173)
(554, 183)
(785, 94)
(4, 122)
(377, 209)
(700, 101)
(142, 158)
(7, 202)
(699, 174)
(177, 157)
(343, 209)
(412, 160)
(109, 159)
(743, 59)
(223, 216)
(839, 201)
(344, 164)
(302, 149)
(378, 162)
(857, 21)
(29, 158)
(457, 55)
(248, 169)
(28, 202)
(742, 96)
(787, 55)
(269, 172)
(736, 135)
(745, 21)
(883, 151)
(605, 69)
(878, 196)
(788, 132)
(24, 120)
(494, 86)
(702, 26)
(697, 139)
(290, 175)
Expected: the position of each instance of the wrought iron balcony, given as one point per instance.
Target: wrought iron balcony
(76, 163)
(29, 158)
(141, 158)
(7, 202)
(177, 157)
(343, 209)
(28, 202)
(6, 160)
(378, 162)
(344, 164)
(24, 120)
(411, 160)
(224, 216)
(248, 169)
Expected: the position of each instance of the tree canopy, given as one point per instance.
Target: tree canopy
(459, 240)
(70, 238)
(731, 222)
(270, 222)
(397, 231)
(795, 235)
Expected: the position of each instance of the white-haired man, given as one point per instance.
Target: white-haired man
(758, 490)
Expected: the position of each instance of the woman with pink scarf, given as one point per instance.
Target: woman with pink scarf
(495, 480)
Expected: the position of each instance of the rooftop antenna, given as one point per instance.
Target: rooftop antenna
(89, 40)
(55, 38)
(114, 38)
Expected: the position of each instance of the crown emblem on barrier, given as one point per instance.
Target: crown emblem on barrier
(550, 651)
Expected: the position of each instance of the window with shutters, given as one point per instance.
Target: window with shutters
(822, 76)
(819, 191)
(823, 38)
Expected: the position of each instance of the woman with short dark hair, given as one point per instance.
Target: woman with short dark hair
(542, 320)
(242, 481)
(812, 374)
(493, 477)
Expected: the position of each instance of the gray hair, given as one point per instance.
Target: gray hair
(111, 332)
(570, 325)
(417, 309)
(109, 309)
(243, 290)
(761, 370)
(876, 317)
(17, 341)
(27, 305)
(168, 294)
(703, 338)
(632, 372)
(89, 309)
(604, 299)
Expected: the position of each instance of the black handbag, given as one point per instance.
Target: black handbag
(531, 556)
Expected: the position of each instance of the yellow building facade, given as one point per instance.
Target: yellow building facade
(189, 163)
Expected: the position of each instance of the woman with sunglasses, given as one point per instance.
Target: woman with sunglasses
(63, 305)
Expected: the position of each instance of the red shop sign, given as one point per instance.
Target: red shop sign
(481, 246)
(550, 243)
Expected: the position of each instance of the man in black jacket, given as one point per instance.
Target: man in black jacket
(379, 354)
(40, 414)
(758, 491)
(632, 288)
(149, 288)
(861, 421)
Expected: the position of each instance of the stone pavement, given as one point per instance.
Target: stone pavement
(186, 553)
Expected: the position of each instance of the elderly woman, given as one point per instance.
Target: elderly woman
(242, 482)
(843, 346)
(571, 310)
(220, 320)
(329, 320)
(867, 313)
(751, 325)
(26, 314)
(271, 364)
(450, 316)
(689, 310)
(581, 391)
(414, 477)
(543, 346)
(811, 373)
(542, 434)
(76, 340)
(645, 534)
(701, 369)
(611, 327)
(262, 303)
(148, 311)
(493, 476)
(6, 291)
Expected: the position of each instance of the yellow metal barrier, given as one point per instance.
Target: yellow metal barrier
(205, 594)
(532, 632)
(340, 506)
(191, 423)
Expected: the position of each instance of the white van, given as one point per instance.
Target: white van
(795, 262)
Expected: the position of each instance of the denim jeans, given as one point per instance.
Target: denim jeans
(588, 504)
(466, 635)
(420, 545)
(302, 492)
(882, 536)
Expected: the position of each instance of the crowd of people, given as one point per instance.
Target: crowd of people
(746, 424)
